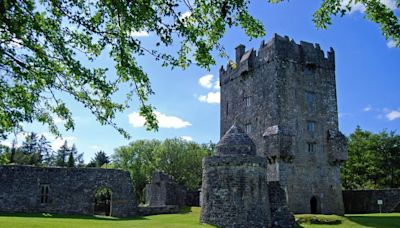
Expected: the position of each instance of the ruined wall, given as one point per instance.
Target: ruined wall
(162, 191)
(365, 201)
(70, 190)
(284, 95)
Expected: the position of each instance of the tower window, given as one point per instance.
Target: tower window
(248, 128)
(247, 101)
(311, 147)
(311, 126)
(44, 193)
(310, 99)
(227, 108)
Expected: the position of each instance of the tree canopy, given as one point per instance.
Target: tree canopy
(178, 158)
(374, 160)
(40, 42)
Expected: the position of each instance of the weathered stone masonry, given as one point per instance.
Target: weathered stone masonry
(234, 187)
(284, 96)
(69, 190)
(162, 191)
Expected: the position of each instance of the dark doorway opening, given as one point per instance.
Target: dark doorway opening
(103, 201)
(314, 205)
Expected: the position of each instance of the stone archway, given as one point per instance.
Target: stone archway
(103, 201)
(314, 205)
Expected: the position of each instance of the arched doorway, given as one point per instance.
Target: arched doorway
(103, 201)
(314, 205)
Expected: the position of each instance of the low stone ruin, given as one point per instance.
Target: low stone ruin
(163, 191)
(235, 191)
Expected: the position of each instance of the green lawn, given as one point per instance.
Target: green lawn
(183, 220)
(187, 220)
(390, 220)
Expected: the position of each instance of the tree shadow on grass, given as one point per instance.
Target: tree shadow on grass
(316, 220)
(185, 210)
(50, 216)
(376, 221)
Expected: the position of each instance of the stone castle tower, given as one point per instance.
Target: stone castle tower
(284, 96)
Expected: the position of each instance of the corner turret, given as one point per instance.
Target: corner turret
(235, 142)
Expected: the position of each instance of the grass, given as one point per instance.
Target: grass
(389, 220)
(187, 219)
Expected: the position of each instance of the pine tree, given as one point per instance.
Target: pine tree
(71, 160)
(30, 145)
(62, 154)
(75, 159)
(30, 149)
(100, 158)
(13, 149)
(45, 151)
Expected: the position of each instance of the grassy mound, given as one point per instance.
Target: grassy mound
(319, 219)
(389, 220)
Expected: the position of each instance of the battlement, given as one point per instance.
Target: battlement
(278, 48)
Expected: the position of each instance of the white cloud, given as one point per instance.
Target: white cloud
(58, 120)
(164, 121)
(139, 34)
(7, 143)
(19, 138)
(359, 7)
(367, 108)
(16, 43)
(187, 138)
(344, 114)
(216, 85)
(393, 115)
(95, 147)
(211, 98)
(391, 4)
(206, 81)
(57, 142)
(185, 15)
(391, 44)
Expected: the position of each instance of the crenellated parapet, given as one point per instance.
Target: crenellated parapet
(277, 48)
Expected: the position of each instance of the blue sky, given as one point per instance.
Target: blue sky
(367, 75)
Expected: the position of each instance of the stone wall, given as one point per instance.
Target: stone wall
(69, 190)
(366, 201)
(235, 192)
(284, 95)
(234, 189)
(192, 198)
(170, 209)
(162, 191)
(280, 214)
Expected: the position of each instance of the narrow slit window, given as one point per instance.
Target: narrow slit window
(247, 101)
(44, 193)
(311, 147)
(311, 126)
(248, 128)
(310, 99)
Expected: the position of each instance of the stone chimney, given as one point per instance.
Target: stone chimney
(240, 49)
